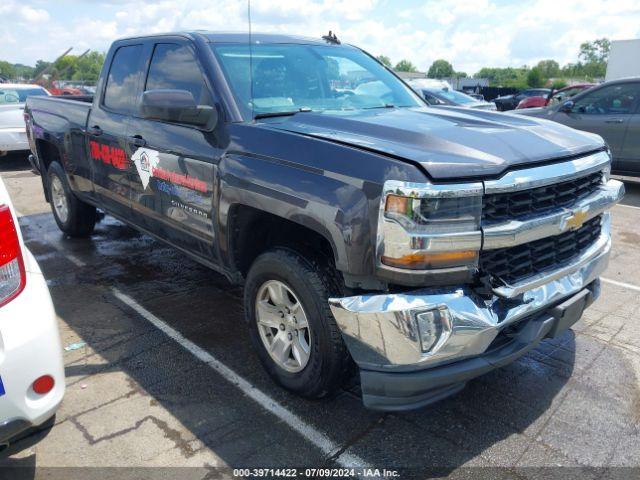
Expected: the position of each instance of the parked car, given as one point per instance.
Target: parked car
(611, 110)
(554, 97)
(477, 96)
(365, 226)
(31, 370)
(12, 131)
(510, 102)
(446, 96)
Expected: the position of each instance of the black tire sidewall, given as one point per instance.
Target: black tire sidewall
(292, 269)
(55, 169)
(82, 216)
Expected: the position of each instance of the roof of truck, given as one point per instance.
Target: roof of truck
(241, 37)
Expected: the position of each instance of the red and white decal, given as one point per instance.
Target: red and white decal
(108, 155)
(146, 161)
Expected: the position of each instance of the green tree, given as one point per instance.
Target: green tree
(549, 68)
(88, 67)
(65, 67)
(596, 51)
(24, 72)
(383, 59)
(39, 68)
(595, 55)
(440, 69)
(535, 78)
(504, 77)
(460, 74)
(7, 70)
(405, 66)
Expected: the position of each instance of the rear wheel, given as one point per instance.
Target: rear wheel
(73, 216)
(291, 325)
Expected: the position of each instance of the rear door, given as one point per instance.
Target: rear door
(107, 128)
(175, 164)
(605, 111)
(630, 157)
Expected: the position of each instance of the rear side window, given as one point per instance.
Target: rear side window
(175, 67)
(123, 78)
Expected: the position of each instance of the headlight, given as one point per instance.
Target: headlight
(425, 227)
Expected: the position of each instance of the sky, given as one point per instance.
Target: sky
(469, 34)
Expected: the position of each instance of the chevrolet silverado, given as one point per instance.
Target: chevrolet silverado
(424, 246)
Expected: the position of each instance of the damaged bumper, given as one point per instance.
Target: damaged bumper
(416, 348)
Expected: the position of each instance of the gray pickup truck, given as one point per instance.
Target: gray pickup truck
(424, 246)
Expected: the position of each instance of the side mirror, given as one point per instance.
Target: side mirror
(566, 107)
(11, 98)
(177, 106)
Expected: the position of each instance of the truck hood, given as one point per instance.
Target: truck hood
(448, 143)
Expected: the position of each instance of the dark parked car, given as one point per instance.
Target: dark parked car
(445, 96)
(426, 245)
(510, 102)
(611, 110)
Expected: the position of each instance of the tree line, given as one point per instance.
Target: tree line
(82, 68)
(591, 65)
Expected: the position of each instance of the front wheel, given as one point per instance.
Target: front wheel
(73, 216)
(291, 325)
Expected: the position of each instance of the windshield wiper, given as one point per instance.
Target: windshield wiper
(288, 113)
(386, 105)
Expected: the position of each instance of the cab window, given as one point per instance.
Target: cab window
(174, 66)
(122, 80)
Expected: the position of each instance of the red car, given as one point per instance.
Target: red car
(556, 97)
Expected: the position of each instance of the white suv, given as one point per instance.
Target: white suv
(31, 369)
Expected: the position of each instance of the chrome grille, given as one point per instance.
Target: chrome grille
(511, 265)
(502, 207)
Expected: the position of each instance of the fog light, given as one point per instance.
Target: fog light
(434, 327)
(43, 384)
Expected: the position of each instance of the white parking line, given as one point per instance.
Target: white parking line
(630, 286)
(319, 439)
(75, 260)
(627, 206)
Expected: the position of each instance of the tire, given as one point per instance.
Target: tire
(328, 364)
(73, 216)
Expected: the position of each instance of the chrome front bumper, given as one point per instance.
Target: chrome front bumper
(381, 331)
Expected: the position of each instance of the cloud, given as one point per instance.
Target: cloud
(34, 14)
(491, 33)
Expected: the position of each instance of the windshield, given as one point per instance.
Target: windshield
(19, 95)
(456, 97)
(290, 77)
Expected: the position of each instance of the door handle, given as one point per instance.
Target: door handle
(138, 141)
(614, 120)
(95, 130)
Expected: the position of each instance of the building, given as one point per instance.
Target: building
(624, 59)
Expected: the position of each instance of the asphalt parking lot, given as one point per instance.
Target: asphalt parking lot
(165, 376)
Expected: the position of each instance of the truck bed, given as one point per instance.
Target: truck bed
(58, 115)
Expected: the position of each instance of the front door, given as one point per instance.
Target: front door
(630, 156)
(175, 164)
(605, 111)
(107, 129)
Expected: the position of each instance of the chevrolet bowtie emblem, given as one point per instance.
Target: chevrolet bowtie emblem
(575, 220)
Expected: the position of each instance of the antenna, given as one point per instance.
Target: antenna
(250, 58)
